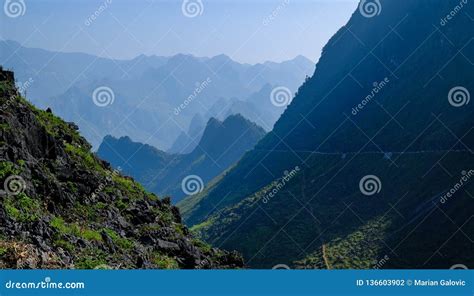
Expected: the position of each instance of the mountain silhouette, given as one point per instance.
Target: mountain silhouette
(222, 144)
(367, 161)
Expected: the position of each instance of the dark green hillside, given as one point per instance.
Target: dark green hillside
(61, 207)
(400, 67)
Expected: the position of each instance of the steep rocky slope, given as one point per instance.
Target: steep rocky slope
(387, 107)
(61, 207)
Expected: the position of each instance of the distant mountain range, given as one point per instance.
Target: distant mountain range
(222, 144)
(371, 165)
(144, 96)
(257, 108)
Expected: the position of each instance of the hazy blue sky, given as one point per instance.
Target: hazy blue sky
(242, 29)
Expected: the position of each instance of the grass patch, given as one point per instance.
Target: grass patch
(64, 244)
(72, 186)
(54, 125)
(4, 126)
(202, 226)
(84, 156)
(121, 205)
(165, 216)
(361, 249)
(90, 259)
(91, 235)
(3, 251)
(164, 262)
(205, 247)
(8, 168)
(134, 189)
(74, 229)
(23, 208)
(122, 242)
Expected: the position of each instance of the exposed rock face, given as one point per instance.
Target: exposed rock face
(61, 207)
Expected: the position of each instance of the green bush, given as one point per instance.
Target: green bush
(22, 208)
(123, 243)
(164, 262)
(74, 229)
(8, 168)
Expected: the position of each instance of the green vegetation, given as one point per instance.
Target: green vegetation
(121, 204)
(179, 228)
(121, 242)
(23, 208)
(92, 212)
(59, 224)
(91, 235)
(88, 234)
(149, 228)
(72, 186)
(64, 244)
(85, 156)
(8, 168)
(202, 245)
(202, 226)
(4, 86)
(4, 126)
(74, 229)
(164, 261)
(165, 217)
(54, 125)
(3, 251)
(136, 190)
(361, 249)
(90, 259)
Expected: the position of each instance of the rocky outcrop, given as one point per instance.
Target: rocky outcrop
(62, 207)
